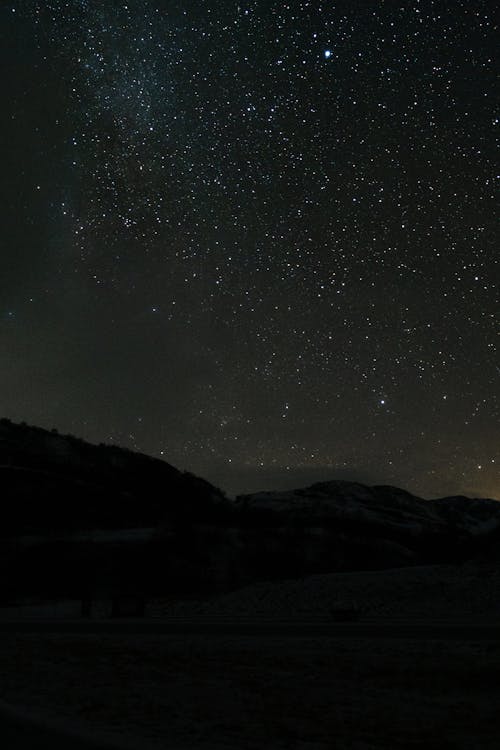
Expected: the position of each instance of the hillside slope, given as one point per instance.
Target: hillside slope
(50, 482)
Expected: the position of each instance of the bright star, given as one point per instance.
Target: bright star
(327, 53)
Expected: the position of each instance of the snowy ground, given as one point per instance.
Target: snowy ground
(236, 693)
(426, 592)
(294, 693)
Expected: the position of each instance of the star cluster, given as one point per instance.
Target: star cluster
(259, 237)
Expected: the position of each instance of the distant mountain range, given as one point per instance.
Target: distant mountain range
(383, 507)
(54, 487)
(349, 526)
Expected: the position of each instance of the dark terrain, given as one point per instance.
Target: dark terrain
(84, 521)
(249, 634)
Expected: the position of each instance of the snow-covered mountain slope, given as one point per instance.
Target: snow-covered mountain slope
(390, 507)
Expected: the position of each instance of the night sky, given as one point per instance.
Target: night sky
(256, 239)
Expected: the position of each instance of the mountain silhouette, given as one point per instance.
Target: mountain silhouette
(77, 516)
(54, 482)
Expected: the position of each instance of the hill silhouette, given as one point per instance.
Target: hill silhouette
(56, 482)
(78, 517)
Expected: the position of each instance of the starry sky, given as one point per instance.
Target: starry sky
(256, 239)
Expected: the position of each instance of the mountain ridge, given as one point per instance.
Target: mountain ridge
(341, 498)
(40, 470)
(54, 486)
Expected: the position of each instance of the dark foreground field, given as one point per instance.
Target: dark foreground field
(237, 691)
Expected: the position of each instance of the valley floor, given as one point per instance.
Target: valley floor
(181, 690)
(244, 693)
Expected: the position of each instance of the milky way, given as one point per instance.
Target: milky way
(256, 240)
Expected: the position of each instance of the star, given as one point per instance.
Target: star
(305, 240)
